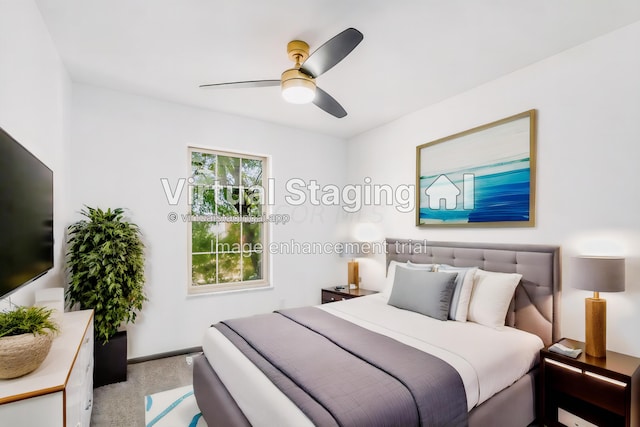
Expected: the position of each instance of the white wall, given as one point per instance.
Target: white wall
(34, 106)
(588, 102)
(122, 145)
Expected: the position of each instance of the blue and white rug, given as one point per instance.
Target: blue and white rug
(173, 408)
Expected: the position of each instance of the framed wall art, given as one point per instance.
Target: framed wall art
(484, 176)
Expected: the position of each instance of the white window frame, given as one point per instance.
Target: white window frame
(262, 283)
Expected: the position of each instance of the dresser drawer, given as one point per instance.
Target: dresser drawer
(598, 390)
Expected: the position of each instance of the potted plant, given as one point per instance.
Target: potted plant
(105, 260)
(26, 334)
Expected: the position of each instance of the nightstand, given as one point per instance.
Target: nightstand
(601, 391)
(332, 295)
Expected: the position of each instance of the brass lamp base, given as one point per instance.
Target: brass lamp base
(353, 275)
(596, 326)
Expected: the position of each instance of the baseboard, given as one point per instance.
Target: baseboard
(163, 355)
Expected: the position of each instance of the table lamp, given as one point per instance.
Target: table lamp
(598, 274)
(353, 250)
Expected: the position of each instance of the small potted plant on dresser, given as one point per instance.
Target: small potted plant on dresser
(26, 334)
(105, 261)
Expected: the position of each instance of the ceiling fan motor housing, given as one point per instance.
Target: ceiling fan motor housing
(298, 51)
(297, 87)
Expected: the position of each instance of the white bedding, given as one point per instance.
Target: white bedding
(488, 360)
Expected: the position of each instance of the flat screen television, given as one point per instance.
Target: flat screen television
(26, 216)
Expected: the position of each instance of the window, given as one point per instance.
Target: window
(227, 232)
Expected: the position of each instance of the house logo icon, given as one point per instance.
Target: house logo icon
(443, 189)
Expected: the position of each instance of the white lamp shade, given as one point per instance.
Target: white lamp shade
(599, 274)
(355, 249)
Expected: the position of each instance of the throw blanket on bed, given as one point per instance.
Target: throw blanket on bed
(339, 373)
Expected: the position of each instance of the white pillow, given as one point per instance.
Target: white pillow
(462, 293)
(391, 275)
(428, 267)
(491, 296)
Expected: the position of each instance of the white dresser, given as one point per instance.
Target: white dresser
(60, 392)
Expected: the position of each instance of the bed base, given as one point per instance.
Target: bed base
(214, 400)
(512, 407)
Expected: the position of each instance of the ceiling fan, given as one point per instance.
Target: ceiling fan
(299, 83)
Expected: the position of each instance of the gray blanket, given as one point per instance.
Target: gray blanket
(340, 374)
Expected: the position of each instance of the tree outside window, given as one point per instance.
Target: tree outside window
(227, 234)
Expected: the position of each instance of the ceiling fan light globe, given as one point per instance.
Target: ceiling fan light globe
(298, 94)
(297, 88)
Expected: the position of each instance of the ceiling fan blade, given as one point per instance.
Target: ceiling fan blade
(326, 102)
(241, 85)
(332, 52)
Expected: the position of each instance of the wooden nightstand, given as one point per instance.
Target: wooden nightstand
(602, 391)
(332, 295)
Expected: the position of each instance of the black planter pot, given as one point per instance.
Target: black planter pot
(110, 360)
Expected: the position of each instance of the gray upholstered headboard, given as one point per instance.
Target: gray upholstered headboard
(536, 301)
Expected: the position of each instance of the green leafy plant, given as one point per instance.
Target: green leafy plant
(27, 320)
(105, 259)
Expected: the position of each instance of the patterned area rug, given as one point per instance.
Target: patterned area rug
(173, 408)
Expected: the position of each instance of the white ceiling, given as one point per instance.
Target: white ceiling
(414, 53)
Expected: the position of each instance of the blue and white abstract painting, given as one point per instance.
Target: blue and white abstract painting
(479, 177)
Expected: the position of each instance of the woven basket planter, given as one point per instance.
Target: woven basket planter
(21, 354)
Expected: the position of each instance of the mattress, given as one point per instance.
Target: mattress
(488, 360)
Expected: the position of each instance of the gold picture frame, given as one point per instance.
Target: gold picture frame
(481, 177)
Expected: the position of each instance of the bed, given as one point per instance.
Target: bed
(498, 383)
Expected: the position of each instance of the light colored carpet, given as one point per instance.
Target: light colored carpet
(121, 404)
(173, 408)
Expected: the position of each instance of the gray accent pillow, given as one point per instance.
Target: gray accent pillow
(423, 291)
